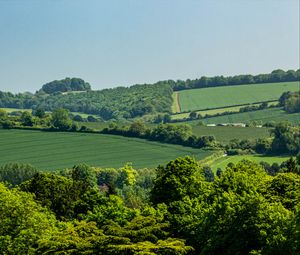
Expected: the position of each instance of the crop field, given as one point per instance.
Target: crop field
(225, 134)
(219, 97)
(58, 150)
(273, 114)
(223, 162)
(218, 110)
(262, 116)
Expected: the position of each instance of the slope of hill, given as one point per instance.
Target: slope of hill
(219, 97)
(151, 99)
(52, 151)
(115, 103)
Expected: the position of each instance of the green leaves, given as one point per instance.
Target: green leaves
(175, 181)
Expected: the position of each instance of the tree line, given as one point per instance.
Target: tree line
(216, 81)
(165, 133)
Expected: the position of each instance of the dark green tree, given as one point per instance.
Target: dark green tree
(26, 119)
(16, 173)
(60, 119)
(175, 181)
(85, 175)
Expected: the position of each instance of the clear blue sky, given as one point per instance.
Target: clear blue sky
(120, 43)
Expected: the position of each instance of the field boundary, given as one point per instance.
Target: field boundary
(176, 105)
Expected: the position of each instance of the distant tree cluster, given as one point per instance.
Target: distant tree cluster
(66, 85)
(290, 101)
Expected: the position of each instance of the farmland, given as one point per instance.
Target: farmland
(51, 151)
(263, 116)
(216, 111)
(222, 162)
(225, 134)
(219, 97)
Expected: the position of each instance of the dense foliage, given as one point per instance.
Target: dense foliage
(290, 101)
(116, 103)
(176, 211)
(66, 85)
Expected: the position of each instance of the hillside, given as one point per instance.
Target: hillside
(228, 96)
(52, 150)
(261, 116)
(163, 97)
(114, 103)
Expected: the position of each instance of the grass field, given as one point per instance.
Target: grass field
(218, 97)
(263, 116)
(215, 111)
(225, 134)
(58, 150)
(222, 162)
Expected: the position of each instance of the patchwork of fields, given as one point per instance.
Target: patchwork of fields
(262, 116)
(58, 150)
(216, 111)
(218, 97)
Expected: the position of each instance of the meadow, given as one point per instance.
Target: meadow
(219, 97)
(58, 150)
(223, 162)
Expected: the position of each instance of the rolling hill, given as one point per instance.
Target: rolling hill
(228, 96)
(58, 150)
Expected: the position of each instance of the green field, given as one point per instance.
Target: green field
(219, 97)
(225, 134)
(216, 111)
(263, 116)
(222, 162)
(58, 150)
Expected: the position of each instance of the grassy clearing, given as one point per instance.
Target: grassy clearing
(58, 150)
(225, 134)
(218, 97)
(223, 162)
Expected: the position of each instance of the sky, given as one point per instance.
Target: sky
(125, 42)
